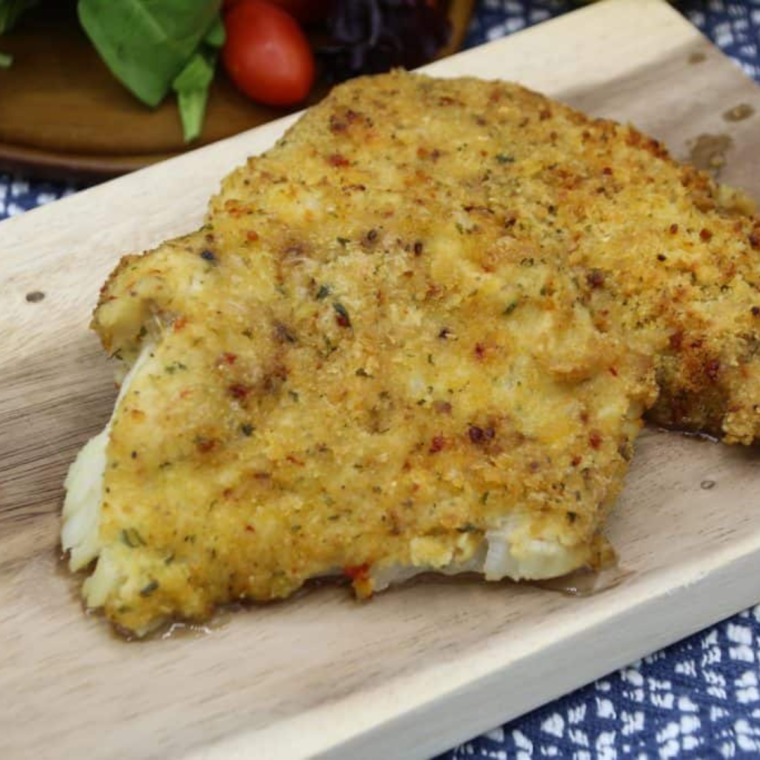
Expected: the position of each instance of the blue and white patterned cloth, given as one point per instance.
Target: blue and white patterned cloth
(699, 698)
(696, 699)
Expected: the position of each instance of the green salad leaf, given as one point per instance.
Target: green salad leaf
(151, 46)
(193, 82)
(147, 43)
(191, 87)
(216, 35)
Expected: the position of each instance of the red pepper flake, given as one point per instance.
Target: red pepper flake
(676, 340)
(613, 372)
(754, 240)
(673, 229)
(336, 159)
(179, 323)
(342, 318)
(250, 528)
(755, 311)
(446, 101)
(607, 170)
(340, 124)
(227, 358)
(712, 368)
(357, 572)
(442, 407)
(595, 278)
(544, 114)
(295, 460)
(336, 125)
(205, 445)
(480, 350)
(575, 461)
(480, 435)
(705, 235)
(595, 439)
(252, 235)
(239, 391)
(437, 444)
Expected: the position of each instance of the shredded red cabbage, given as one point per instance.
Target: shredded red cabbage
(371, 36)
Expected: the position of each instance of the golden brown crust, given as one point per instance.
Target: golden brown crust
(434, 305)
(674, 254)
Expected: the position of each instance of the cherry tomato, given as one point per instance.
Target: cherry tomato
(267, 54)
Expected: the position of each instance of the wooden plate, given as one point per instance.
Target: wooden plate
(418, 668)
(62, 114)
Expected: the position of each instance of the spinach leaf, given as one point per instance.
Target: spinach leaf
(147, 43)
(10, 10)
(193, 82)
(216, 35)
(6, 60)
(192, 87)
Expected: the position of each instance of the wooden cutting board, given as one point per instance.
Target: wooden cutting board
(419, 668)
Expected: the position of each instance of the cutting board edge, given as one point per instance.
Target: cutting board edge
(602, 644)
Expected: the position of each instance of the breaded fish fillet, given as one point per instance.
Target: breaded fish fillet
(663, 255)
(418, 334)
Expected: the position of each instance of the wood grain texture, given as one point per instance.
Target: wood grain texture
(416, 669)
